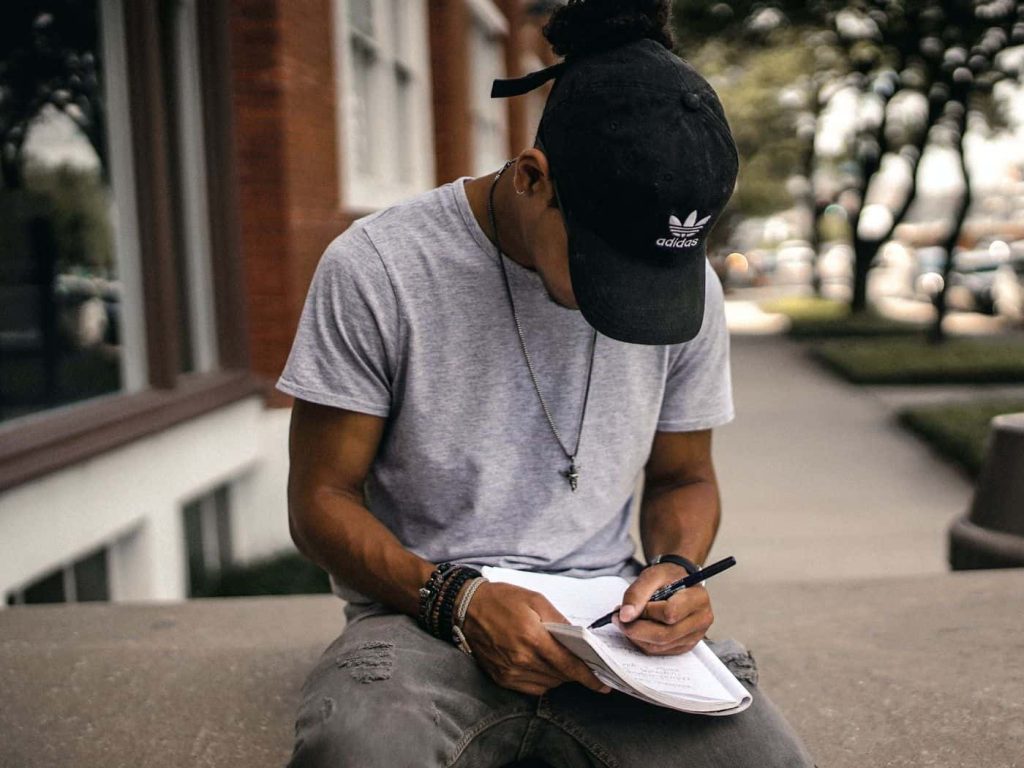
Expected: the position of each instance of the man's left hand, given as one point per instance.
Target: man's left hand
(664, 627)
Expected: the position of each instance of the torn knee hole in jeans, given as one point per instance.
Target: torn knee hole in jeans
(738, 659)
(370, 661)
(743, 666)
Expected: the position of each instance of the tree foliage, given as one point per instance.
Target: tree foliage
(48, 57)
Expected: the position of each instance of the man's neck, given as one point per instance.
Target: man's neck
(477, 191)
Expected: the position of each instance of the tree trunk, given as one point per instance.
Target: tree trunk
(936, 334)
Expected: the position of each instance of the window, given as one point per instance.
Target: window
(74, 324)
(207, 522)
(85, 580)
(187, 151)
(489, 116)
(383, 100)
(62, 337)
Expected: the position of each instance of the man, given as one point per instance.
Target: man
(481, 373)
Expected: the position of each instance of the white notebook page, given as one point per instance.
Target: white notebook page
(583, 600)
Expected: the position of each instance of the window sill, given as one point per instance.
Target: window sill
(46, 442)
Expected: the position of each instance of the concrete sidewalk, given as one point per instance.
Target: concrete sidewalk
(817, 480)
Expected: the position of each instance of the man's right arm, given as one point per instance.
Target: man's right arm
(331, 452)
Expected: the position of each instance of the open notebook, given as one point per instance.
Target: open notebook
(696, 681)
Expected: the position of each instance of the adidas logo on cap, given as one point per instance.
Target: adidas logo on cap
(683, 232)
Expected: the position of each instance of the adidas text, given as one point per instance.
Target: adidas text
(677, 242)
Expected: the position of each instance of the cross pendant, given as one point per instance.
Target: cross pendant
(573, 474)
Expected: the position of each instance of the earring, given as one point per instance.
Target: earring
(520, 191)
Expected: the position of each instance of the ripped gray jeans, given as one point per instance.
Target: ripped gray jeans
(386, 693)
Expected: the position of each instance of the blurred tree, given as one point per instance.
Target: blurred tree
(49, 55)
(916, 66)
(763, 62)
(78, 210)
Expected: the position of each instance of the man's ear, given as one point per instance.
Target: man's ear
(533, 175)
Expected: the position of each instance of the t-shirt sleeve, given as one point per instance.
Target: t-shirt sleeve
(344, 349)
(698, 385)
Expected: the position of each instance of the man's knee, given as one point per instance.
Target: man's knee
(363, 705)
(387, 693)
(366, 732)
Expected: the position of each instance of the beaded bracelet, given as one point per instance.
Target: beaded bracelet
(437, 598)
(429, 593)
(444, 595)
(434, 617)
(447, 617)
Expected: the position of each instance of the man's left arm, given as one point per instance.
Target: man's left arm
(679, 515)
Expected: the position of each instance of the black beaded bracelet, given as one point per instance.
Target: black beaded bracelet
(446, 620)
(436, 615)
(446, 615)
(429, 593)
(438, 596)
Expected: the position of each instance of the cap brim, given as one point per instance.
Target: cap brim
(651, 297)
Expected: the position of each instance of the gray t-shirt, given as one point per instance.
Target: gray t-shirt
(407, 318)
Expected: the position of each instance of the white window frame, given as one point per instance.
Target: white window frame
(192, 173)
(487, 15)
(124, 211)
(365, 192)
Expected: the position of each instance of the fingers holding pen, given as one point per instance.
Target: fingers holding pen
(670, 626)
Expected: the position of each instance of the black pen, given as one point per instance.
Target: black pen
(664, 593)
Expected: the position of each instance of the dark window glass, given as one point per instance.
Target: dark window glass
(223, 512)
(207, 538)
(60, 331)
(197, 574)
(91, 578)
(49, 589)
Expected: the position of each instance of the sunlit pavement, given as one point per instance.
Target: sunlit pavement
(747, 318)
(818, 482)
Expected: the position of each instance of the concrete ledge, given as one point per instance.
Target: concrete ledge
(880, 672)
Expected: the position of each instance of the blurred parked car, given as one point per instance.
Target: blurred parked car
(980, 279)
(928, 281)
(893, 272)
(736, 270)
(835, 267)
(1008, 290)
(794, 263)
(762, 261)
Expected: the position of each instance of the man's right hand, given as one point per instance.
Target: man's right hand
(505, 629)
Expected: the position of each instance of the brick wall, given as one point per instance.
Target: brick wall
(283, 69)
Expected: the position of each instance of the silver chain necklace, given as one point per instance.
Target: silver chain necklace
(573, 473)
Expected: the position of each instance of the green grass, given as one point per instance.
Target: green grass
(807, 308)
(288, 574)
(816, 318)
(897, 360)
(958, 431)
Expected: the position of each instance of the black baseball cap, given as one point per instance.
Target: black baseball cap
(643, 162)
